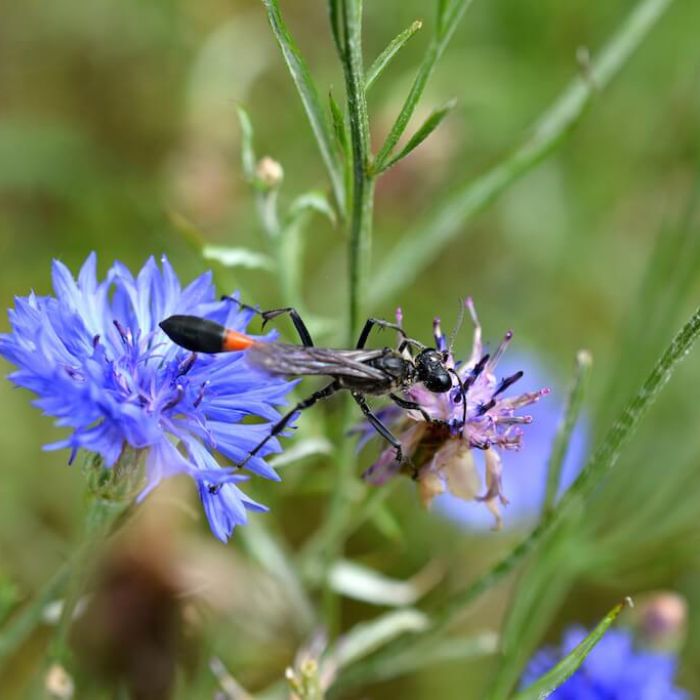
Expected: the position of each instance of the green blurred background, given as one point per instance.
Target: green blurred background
(114, 117)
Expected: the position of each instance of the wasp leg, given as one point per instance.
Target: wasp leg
(411, 406)
(377, 424)
(407, 342)
(370, 323)
(267, 316)
(299, 324)
(281, 424)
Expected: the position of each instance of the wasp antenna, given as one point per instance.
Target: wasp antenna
(458, 325)
(463, 392)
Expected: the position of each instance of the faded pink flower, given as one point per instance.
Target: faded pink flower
(440, 453)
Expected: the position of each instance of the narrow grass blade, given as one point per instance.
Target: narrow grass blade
(309, 98)
(572, 409)
(546, 685)
(426, 128)
(421, 245)
(385, 57)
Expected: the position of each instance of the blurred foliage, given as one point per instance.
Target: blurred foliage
(117, 118)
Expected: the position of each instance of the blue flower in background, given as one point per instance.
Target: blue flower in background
(614, 670)
(99, 363)
(525, 477)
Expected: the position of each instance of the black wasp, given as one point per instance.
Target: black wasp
(382, 371)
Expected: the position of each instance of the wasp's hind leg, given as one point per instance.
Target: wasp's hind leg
(298, 322)
(267, 316)
(281, 424)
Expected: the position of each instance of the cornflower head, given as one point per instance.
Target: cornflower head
(616, 669)
(474, 415)
(524, 478)
(100, 365)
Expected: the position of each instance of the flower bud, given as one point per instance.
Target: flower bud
(269, 173)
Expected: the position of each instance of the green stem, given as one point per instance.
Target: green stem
(340, 511)
(349, 18)
(346, 22)
(602, 461)
(101, 517)
(21, 627)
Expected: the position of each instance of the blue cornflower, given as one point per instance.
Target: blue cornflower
(614, 670)
(99, 363)
(525, 478)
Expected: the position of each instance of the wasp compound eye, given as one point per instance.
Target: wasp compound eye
(432, 371)
(438, 381)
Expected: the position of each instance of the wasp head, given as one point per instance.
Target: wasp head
(432, 372)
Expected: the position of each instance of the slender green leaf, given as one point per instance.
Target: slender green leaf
(313, 201)
(438, 651)
(366, 637)
(362, 583)
(248, 159)
(421, 245)
(548, 683)
(340, 128)
(426, 128)
(309, 98)
(238, 257)
(572, 409)
(301, 449)
(385, 57)
(448, 18)
(334, 16)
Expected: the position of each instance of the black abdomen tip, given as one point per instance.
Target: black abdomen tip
(194, 333)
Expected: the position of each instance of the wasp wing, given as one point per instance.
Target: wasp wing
(280, 358)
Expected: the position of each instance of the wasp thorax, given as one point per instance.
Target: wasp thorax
(431, 370)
